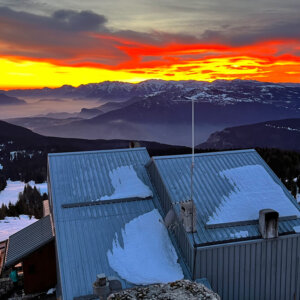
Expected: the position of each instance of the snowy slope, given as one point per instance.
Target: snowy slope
(13, 188)
(11, 225)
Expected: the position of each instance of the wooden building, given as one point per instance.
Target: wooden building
(34, 247)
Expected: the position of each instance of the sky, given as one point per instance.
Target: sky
(77, 42)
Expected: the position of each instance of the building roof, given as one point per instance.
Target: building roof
(27, 240)
(210, 189)
(85, 229)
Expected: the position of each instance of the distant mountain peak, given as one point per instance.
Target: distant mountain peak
(8, 100)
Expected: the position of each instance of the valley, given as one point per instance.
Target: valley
(156, 110)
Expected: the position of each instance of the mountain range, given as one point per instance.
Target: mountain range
(157, 110)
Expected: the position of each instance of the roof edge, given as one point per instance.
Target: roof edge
(97, 151)
(14, 261)
(204, 154)
(27, 227)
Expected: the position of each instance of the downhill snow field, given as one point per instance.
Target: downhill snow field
(11, 225)
(127, 184)
(253, 190)
(13, 188)
(148, 255)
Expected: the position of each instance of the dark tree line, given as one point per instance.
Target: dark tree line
(30, 203)
(3, 183)
(26, 169)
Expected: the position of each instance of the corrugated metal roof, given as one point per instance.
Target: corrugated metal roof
(210, 188)
(84, 237)
(85, 234)
(27, 240)
(84, 176)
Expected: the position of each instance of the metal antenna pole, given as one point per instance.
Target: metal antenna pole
(193, 147)
(192, 186)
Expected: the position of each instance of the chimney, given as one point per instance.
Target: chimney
(134, 144)
(46, 208)
(101, 287)
(188, 215)
(268, 223)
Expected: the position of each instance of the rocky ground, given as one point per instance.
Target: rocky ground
(178, 290)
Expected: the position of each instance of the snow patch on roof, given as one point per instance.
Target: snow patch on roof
(239, 234)
(148, 255)
(127, 184)
(297, 229)
(253, 190)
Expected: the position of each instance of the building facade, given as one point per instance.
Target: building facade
(222, 243)
(233, 256)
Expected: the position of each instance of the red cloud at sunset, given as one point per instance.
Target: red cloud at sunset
(54, 50)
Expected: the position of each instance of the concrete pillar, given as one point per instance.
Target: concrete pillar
(188, 215)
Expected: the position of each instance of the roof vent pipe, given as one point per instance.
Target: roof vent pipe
(170, 219)
(268, 223)
(134, 144)
(101, 287)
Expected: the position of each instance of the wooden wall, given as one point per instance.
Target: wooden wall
(40, 269)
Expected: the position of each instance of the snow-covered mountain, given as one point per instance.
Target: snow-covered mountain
(222, 92)
(161, 110)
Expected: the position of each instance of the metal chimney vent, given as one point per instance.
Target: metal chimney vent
(188, 215)
(134, 144)
(268, 223)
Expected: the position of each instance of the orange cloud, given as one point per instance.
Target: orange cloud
(56, 54)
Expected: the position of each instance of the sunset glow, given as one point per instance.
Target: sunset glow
(72, 47)
(167, 63)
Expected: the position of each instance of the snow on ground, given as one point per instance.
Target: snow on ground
(148, 255)
(14, 154)
(11, 225)
(298, 198)
(127, 184)
(239, 234)
(253, 190)
(13, 188)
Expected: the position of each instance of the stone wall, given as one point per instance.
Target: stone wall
(178, 290)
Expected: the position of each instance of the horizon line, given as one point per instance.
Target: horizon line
(137, 82)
